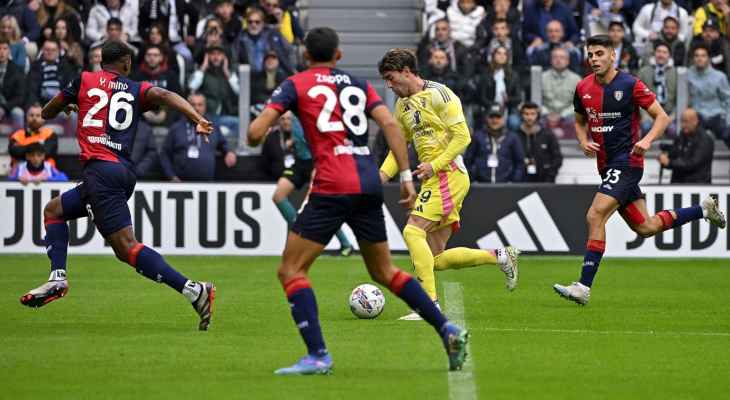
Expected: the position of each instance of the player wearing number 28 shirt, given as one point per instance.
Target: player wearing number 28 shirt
(109, 106)
(333, 107)
(607, 106)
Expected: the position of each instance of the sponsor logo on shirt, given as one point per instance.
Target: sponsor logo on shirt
(602, 129)
(106, 141)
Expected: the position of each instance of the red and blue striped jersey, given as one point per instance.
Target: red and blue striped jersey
(612, 115)
(110, 106)
(333, 107)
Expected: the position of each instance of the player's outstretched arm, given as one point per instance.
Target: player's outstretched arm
(260, 126)
(399, 149)
(661, 122)
(581, 132)
(159, 96)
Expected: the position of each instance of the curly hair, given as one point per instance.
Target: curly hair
(396, 60)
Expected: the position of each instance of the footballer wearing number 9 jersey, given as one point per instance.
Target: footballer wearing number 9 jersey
(109, 105)
(333, 107)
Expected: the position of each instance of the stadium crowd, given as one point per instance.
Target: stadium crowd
(483, 50)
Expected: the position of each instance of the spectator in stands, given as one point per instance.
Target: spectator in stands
(49, 74)
(94, 59)
(213, 36)
(498, 84)
(35, 168)
(558, 88)
(716, 43)
(602, 13)
(264, 82)
(26, 22)
(465, 16)
(458, 53)
(115, 32)
(660, 77)
(713, 8)
(231, 21)
(627, 59)
(187, 156)
(502, 36)
(500, 10)
(669, 35)
(157, 36)
(690, 158)
(70, 47)
(439, 70)
(281, 19)
(102, 12)
(144, 152)
(709, 93)
(536, 17)
(541, 55)
(495, 155)
(10, 30)
(34, 132)
(543, 158)
(257, 40)
(176, 18)
(12, 87)
(153, 71)
(650, 20)
(51, 11)
(215, 80)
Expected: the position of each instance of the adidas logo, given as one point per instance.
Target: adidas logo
(529, 228)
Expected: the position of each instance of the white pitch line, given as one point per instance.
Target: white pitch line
(461, 383)
(588, 331)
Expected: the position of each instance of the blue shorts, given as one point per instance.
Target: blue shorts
(622, 183)
(102, 195)
(324, 215)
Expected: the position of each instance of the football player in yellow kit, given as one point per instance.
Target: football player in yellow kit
(431, 117)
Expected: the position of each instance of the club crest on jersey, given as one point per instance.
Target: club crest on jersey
(423, 102)
(618, 95)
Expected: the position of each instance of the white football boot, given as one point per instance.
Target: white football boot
(576, 292)
(712, 211)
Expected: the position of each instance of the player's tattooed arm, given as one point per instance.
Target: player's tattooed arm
(159, 96)
(661, 121)
(261, 126)
(589, 147)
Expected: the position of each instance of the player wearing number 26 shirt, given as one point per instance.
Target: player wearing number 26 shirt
(109, 106)
(607, 106)
(333, 107)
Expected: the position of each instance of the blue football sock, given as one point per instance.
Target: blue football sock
(57, 243)
(409, 290)
(592, 259)
(342, 238)
(151, 264)
(287, 211)
(688, 214)
(304, 312)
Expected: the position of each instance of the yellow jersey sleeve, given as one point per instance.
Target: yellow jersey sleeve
(448, 107)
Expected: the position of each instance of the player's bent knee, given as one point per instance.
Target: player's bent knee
(53, 209)
(593, 217)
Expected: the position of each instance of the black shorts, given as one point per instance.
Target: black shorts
(324, 215)
(622, 183)
(300, 173)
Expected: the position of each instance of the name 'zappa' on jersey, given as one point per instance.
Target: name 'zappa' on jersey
(335, 122)
(612, 115)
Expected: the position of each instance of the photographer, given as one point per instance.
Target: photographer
(690, 157)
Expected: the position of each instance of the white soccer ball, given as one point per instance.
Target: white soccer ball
(367, 301)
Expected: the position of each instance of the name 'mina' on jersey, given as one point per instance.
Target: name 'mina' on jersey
(333, 107)
(612, 115)
(109, 109)
(432, 120)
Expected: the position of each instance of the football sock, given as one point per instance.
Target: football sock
(304, 312)
(688, 214)
(342, 238)
(421, 257)
(463, 257)
(287, 211)
(151, 264)
(594, 253)
(405, 287)
(56, 245)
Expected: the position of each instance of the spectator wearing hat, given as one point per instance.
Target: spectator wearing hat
(543, 158)
(558, 88)
(718, 9)
(35, 168)
(34, 132)
(264, 82)
(650, 21)
(690, 157)
(627, 59)
(709, 93)
(258, 40)
(555, 38)
(660, 76)
(495, 154)
(716, 43)
(669, 35)
(215, 80)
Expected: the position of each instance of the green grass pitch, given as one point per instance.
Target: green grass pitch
(655, 329)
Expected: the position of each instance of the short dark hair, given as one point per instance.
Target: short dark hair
(396, 60)
(599, 40)
(113, 52)
(663, 43)
(35, 147)
(322, 44)
(529, 105)
(114, 21)
(500, 20)
(154, 46)
(4, 40)
(700, 46)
